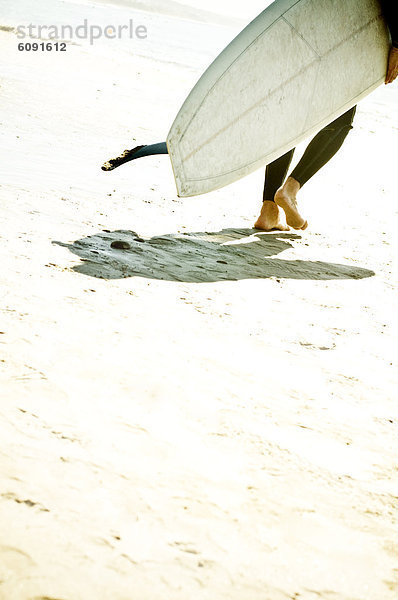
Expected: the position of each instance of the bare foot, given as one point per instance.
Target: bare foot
(269, 218)
(285, 197)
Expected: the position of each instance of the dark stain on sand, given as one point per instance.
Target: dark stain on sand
(201, 257)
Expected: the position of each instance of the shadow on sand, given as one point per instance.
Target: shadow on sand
(197, 257)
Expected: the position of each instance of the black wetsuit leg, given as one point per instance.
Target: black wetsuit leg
(323, 147)
(319, 151)
(275, 174)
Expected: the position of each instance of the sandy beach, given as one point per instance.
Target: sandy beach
(210, 414)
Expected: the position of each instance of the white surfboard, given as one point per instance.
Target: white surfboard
(299, 65)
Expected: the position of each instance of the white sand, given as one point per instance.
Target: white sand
(173, 426)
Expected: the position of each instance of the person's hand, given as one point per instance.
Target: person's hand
(392, 68)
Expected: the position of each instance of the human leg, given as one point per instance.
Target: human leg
(323, 147)
(319, 151)
(275, 174)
